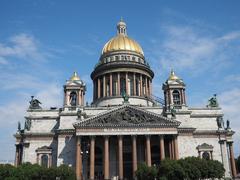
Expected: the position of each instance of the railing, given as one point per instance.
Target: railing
(157, 100)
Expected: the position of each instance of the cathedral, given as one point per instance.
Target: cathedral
(125, 124)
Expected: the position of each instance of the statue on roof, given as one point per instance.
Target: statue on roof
(212, 102)
(34, 103)
(220, 122)
(173, 112)
(125, 97)
(228, 125)
(19, 126)
(27, 124)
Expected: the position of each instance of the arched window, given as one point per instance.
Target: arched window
(73, 98)
(206, 155)
(44, 161)
(176, 97)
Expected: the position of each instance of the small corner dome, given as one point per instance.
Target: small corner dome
(174, 78)
(75, 77)
(122, 42)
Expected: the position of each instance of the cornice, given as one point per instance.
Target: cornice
(120, 64)
(205, 115)
(41, 117)
(65, 131)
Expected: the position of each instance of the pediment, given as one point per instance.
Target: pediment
(128, 116)
(204, 146)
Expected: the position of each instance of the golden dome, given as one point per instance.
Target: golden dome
(173, 76)
(122, 41)
(75, 77)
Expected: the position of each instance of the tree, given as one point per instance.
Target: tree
(6, 170)
(215, 169)
(146, 173)
(171, 170)
(190, 168)
(28, 171)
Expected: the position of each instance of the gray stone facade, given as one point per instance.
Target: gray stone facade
(196, 130)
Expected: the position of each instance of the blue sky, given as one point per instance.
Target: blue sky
(43, 42)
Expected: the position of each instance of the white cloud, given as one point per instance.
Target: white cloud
(18, 80)
(24, 71)
(22, 46)
(51, 96)
(230, 36)
(15, 110)
(232, 78)
(186, 47)
(230, 103)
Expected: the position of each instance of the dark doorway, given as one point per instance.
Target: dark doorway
(155, 151)
(127, 165)
(98, 163)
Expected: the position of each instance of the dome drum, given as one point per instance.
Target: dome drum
(116, 66)
(113, 85)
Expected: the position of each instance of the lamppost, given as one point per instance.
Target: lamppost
(85, 153)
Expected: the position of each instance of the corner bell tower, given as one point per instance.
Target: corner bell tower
(74, 91)
(174, 92)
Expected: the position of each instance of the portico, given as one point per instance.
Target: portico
(123, 145)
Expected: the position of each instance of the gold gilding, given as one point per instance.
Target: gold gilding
(173, 76)
(121, 42)
(75, 77)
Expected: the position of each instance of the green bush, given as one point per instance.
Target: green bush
(215, 169)
(171, 170)
(146, 173)
(190, 168)
(6, 170)
(28, 171)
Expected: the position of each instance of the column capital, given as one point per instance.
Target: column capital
(120, 136)
(78, 140)
(147, 135)
(133, 136)
(92, 136)
(106, 137)
(222, 141)
(230, 143)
